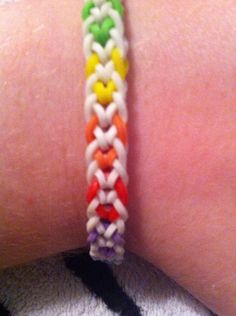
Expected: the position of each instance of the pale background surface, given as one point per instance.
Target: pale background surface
(47, 288)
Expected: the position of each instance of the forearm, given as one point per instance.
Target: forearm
(181, 133)
(42, 140)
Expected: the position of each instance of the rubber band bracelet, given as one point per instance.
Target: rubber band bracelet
(105, 48)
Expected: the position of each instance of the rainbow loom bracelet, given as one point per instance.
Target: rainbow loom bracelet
(105, 49)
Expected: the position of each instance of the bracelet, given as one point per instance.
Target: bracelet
(105, 49)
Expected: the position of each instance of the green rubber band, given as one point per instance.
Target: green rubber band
(86, 9)
(101, 32)
(117, 5)
(89, 5)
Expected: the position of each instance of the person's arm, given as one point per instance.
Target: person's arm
(182, 131)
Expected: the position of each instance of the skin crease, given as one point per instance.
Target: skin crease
(182, 150)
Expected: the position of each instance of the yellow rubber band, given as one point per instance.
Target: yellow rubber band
(91, 64)
(104, 92)
(120, 65)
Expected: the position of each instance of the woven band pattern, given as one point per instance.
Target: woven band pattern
(105, 49)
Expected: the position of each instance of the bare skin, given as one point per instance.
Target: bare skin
(182, 131)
